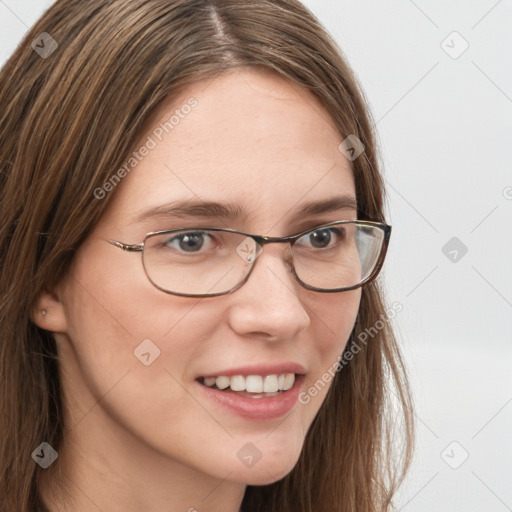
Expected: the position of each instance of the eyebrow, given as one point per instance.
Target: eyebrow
(230, 211)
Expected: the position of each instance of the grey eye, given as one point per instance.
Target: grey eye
(188, 242)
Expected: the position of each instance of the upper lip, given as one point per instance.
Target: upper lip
(261, 369)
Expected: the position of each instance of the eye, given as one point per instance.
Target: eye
(323, 238)
(190, 242)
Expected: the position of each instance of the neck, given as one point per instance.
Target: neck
(100, 465)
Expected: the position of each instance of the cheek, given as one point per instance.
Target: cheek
(333, 318)
(130, 350)
(121, 327)
(115, 302)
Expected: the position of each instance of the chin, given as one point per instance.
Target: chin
(265, 472)
(261, 477)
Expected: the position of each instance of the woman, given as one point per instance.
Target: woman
(226, 365)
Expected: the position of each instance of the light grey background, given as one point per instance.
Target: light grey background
(444, 120)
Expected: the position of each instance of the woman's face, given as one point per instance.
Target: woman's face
(133, 356)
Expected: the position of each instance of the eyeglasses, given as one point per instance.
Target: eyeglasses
(199, 262)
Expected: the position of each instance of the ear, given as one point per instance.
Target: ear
(49, 313)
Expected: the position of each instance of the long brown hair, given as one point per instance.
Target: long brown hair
(68, 120)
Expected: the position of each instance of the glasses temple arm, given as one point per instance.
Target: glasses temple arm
(126, 247)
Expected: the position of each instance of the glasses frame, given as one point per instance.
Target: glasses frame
(263, 240)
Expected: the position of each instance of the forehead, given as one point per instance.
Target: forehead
(247, 138)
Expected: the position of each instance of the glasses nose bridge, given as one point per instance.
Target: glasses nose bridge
(267, 240)
(262, 241)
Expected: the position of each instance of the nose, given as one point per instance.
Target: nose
(268, 303)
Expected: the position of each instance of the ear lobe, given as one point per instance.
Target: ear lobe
(49, 313)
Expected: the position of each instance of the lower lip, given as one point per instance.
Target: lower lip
(257, 408)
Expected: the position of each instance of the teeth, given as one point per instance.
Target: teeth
(288, 381)
(221, 382)
(252, 383)
(237, 383)
(270, 383)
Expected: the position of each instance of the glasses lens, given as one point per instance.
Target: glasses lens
(206, 262)
(339, 256)
(198, 262)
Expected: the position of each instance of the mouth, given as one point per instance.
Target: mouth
(254, 392)
(253, 397)
(251, 386)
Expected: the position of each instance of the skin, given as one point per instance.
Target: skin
(145, 437)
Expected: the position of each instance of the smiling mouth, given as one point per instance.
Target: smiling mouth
(253, 386)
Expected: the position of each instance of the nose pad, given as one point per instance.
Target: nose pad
(286, 254)
(284, 257)
(250, 251)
